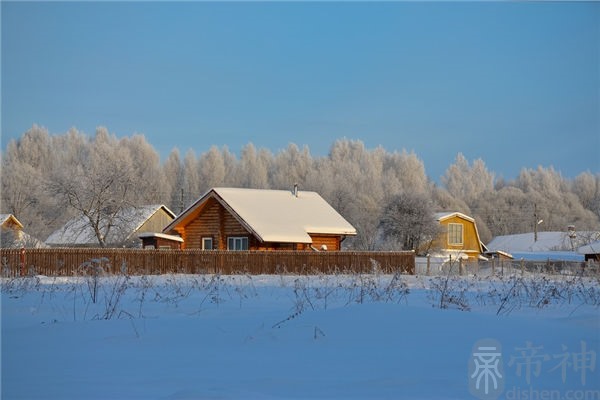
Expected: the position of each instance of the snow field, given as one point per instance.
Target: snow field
(289, 337)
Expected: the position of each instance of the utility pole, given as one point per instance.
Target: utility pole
(535, 222)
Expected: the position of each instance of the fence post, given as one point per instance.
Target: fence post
(22, 259)
(522, 266)
(428, 264)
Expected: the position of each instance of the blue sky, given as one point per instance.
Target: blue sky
(516, 84)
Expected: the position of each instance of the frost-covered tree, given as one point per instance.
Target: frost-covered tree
(100, 186)
(468, 182)
(586, 187)
(211, 169)
(254, 167)
(150, 182)
(231, 168)
(555, 203)
(191, 177)
(174, 175)
(350, 180)
(25, 167)
(358, 182)
(409, 172)
(291, 166)
(444, 201)
(408, 222)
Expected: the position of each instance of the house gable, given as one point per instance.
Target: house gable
(9, 221)
(212, 220)
(155, 222)
(459, 235)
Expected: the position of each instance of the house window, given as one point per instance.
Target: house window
(237, 243)
(207, 243)
(455, 234)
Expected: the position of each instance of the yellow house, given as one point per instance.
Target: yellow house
(12, 229)
(459, 237)
(9, 221)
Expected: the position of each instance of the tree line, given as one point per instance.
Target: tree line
(49, 179)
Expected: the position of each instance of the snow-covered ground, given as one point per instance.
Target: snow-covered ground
(299, 337)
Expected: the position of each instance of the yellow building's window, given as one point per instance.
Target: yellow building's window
(455, 234)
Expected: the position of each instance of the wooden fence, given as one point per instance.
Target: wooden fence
(69, 262)
(495, 267)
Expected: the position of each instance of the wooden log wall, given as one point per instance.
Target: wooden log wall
(70, 262)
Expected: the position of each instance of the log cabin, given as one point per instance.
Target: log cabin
(256, 219)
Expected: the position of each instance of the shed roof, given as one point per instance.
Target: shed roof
(173, 238)
(546, 241)
(592, 248)
(275, 215)
(79, 232)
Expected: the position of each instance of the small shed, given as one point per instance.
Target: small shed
(591, 252)
(122, 231)
(161, 241)
(498, 255)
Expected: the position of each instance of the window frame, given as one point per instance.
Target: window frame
(204, 240)
(456, 235)
(242, 240)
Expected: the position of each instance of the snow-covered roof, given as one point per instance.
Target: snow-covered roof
(4, 218)
(546, 241)
(13, 236)
(543, 256)
(161, 236)
(78, 231)
(16, 239)
(276, 215)
(592, 248)
(440, 216)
